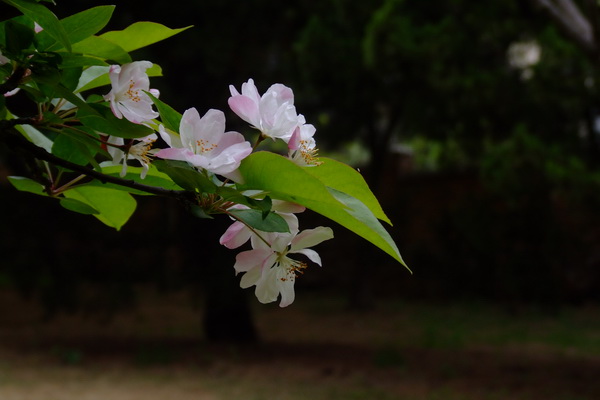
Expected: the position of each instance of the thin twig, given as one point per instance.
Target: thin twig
(15, 140)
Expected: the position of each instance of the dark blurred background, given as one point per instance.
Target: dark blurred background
(475, 123)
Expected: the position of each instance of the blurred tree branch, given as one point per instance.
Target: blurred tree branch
(571, 20)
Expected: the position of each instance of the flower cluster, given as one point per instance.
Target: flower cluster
(203, 143)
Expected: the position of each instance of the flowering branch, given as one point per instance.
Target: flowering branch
(219, 171)
(15, 140)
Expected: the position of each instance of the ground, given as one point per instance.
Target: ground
(315, 349)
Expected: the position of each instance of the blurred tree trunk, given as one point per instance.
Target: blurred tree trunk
(381, 125)
(227, 316)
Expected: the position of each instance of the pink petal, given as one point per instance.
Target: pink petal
(236, 235)
(175, 154)
(245, 108)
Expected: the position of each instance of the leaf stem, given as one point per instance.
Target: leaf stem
(68, 184)
(248, 226)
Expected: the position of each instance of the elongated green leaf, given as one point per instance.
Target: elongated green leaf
(70, 60)
(270, 222)
(346, 179)
(36, 137)
(169, 117)
(27, 185)
(70, 149)
(286, 181)
(102, 48)
(45, 18)
(370, 227)
(185, 176)
(18, 37)
(93, 77)
(283, 179)
(115, 207)
(141, 34)
(104, 121)
(78, 206)
(153, 178)
(81, 25)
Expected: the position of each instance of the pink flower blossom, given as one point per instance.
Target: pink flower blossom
(273, 113)
(204, 143)
(127, 97)
(269, 268)
(302, 148)
(139, 151)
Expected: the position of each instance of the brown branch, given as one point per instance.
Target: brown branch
(15, 140)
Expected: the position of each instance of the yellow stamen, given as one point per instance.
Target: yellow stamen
(134, 95)
(204, 146)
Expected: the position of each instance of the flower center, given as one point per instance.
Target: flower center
(293, 269)
(140, 150)
(306, 153)
(204, 146)
(132, 93)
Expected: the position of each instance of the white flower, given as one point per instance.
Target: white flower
(204, 143)
(273, 113)
(138, 151)
(302, 148)
(269, 268)
(127, 97)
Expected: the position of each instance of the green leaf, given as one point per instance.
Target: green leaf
(44, 17)
(169, 117)
(70, 76)
(71, 147)
(114, 207)
(103, 120)
(283, 180)
(27, 185)
(78, 206)
(346, 179)
(271, 222)
(141, 34)
(80, 26)
(93, 77)
(370, 228)
(71, 60)
(102, 48)
(287, 181)
(36, 137)
(18, 37)
(153, 178)
(44, 68)
(186, 176)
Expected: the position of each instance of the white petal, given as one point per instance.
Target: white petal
(250, 278)
(311, 254)
(267, 288)
(190, 123)
(246, 260)
(311, 237)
